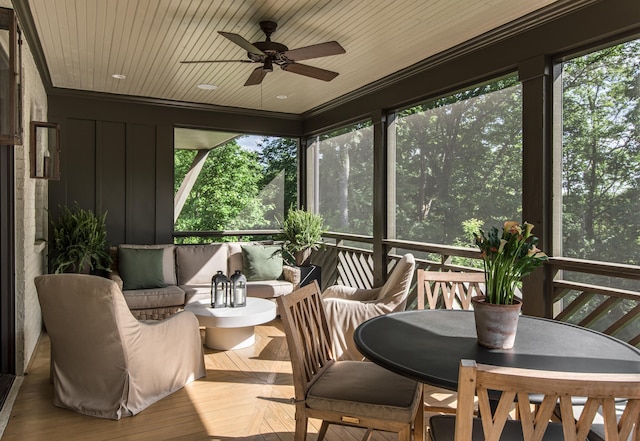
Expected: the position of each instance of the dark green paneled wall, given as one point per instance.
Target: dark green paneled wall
(117, 156)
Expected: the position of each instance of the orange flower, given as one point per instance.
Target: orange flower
(512, 227)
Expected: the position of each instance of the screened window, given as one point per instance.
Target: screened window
(601, 155)
(230, 181)
(340, 176)
(459, 163)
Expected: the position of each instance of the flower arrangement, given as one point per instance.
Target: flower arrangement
(507, 258)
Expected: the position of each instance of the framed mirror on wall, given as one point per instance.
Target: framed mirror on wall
(10, 79)
(45, 150)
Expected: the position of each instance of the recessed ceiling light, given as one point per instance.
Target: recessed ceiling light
(282, 97)
(119, 76)
(207, 86)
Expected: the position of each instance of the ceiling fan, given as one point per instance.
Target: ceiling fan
(268, 53)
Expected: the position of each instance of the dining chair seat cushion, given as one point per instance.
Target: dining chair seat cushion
(365, 389)
(442, 428)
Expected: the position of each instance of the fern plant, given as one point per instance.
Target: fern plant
(79, 241)
(301, 233)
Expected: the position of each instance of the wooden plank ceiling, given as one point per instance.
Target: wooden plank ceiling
(86, 41)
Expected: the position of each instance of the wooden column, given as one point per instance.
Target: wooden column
(536, 173)
(380, 188)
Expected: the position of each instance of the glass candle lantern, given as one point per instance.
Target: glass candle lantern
(238, 289)
(219, 290)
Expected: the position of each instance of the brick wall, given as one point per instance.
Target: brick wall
(30, 220)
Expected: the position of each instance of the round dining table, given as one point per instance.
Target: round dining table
(427, 345)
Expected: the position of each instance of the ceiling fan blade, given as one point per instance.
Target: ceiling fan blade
(315, 51)
(242, 42)
(256, 76)
(310, 71)
(216, 61)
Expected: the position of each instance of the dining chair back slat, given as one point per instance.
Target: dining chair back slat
(302, 307)
(615, 396)
(449, 290)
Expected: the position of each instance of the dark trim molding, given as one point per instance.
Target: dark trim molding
(160, 102)
(7, 262)
(25, 19)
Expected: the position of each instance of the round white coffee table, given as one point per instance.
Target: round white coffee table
(232, 328)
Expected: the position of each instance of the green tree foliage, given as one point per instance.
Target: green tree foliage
(227, 186)
(458, 158)
(346, 179)
(279, 156)
(601, 155)
(235, 189)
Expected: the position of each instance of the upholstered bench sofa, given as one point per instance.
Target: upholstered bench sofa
(158, 280)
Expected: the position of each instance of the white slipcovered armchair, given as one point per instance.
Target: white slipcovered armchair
(348, 307)
(104, 362)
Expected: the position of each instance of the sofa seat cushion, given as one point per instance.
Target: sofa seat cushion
(195, 293)
(269, 289)
(154, 297)
(265, 289)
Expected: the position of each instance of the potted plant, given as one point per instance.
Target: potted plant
(79, 241)
(507, 258)
(301, 233)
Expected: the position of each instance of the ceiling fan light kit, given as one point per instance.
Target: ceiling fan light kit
(267, 53)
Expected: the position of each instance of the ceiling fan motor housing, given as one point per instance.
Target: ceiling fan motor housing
(268, 47)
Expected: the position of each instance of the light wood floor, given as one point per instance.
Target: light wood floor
(246, 395)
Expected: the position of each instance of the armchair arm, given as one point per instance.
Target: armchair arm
(350, 293)
(116, 278)
(292, 274)
(164, 356)
(114, 274)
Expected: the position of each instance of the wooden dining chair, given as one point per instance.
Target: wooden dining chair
(445, 290)
(351, 393)
(603, 394)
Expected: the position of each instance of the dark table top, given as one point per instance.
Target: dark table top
(427, 345)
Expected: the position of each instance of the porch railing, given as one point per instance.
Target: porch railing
(609, 304)
(348, 259)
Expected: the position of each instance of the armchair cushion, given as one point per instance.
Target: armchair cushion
(348, 307)
(343, 317)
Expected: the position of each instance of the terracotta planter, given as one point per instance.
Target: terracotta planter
(303, 258)
(496, 325)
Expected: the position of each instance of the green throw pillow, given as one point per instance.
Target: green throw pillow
(141, 268)
(261, 262)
